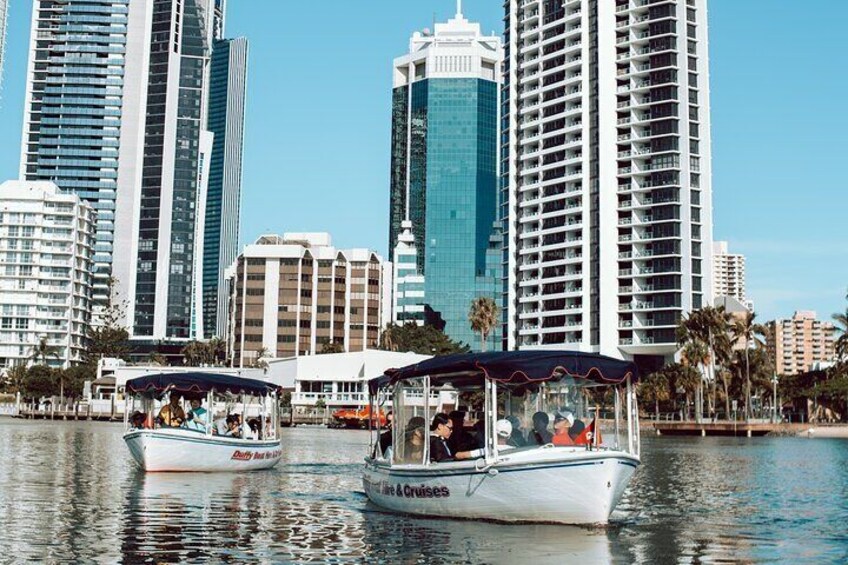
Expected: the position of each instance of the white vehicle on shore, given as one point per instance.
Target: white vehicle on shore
(202, 422)
(574, 473)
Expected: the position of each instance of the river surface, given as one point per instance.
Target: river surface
(70, 493)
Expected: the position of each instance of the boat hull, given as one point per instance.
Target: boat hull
(580, 487)
(186, 451)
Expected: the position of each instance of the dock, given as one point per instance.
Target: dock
(748, 429)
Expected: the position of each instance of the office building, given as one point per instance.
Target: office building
(117, 111)
(46, 250)
(84, 115)
(227, 96)
(798, 344)
(729, 274)
(606, 195)
(292, 294)
(444, 168)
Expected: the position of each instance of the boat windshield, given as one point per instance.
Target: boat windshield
(565, 412)
(241, 416)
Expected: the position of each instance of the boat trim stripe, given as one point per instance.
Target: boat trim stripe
(206, 441)
(513, 469)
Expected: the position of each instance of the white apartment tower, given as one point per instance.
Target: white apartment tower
(729, 273)
(606, 194)
(46, 248)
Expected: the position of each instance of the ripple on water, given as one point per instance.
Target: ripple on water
(69, 493)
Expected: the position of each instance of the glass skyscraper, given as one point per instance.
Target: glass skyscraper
(444, 179)
(77, 109)
(118, 111)
(227, 94)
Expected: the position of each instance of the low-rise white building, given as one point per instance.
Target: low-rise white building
(340, 380)
(46, 247)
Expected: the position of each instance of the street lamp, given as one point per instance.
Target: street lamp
(774, 398)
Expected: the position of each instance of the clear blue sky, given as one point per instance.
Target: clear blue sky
(317, 148)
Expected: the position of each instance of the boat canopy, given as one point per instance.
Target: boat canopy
(198, 382)
(514, 368)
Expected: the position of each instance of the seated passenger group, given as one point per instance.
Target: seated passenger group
(450, 441)
(172, 415)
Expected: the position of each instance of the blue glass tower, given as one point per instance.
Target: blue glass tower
(227, 95)
(444, 169)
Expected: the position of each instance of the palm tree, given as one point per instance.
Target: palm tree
(656, 387)
(703, 333)
(217, 350)
(842, 328)
(483, 316)
(749, 333)
(41, 353)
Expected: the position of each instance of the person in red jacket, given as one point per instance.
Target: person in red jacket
(562, 424)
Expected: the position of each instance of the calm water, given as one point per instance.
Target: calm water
(69, 493)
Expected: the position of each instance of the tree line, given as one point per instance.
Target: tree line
(725, 359)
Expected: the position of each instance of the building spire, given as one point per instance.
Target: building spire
(459, 9)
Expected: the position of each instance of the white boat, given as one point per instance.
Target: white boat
(196, 442)
(577, 479)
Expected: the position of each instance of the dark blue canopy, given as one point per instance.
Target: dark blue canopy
(516, 367)
(198, 382)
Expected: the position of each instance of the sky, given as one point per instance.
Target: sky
(319, 118)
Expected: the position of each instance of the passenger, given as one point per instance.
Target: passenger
(562, 423)
(503, 429)
(172, 414)
(238, 428)
(386, 436)
(576, 429)
(197, 416)
(253, 425)
(478, 433)
(516, 438)
(442, 428)
(414, 441)
(460, 440)
(221, 426)
(137, 420)
(541, 435)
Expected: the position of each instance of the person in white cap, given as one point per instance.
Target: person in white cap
(562, 423)
(503, 429)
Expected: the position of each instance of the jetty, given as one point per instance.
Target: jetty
(749, 429)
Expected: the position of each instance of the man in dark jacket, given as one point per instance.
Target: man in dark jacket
(386, 437)
(440, 451)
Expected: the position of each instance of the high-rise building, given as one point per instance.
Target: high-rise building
(227, 96)
(117, 111)
(4, 12)
(46, 249)
(177, 154)
(84, 116)
(797, 344)
(606, 173)
(293, 294)
(729, 274)
(444, 167)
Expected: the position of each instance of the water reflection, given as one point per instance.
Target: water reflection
(69, 493)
